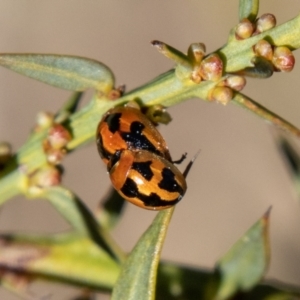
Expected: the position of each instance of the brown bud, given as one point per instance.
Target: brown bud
(244, 29)
(283, 59)
(211, 68)
(264, 49)
(46, 177)
(221, 94)
(58, 136)
(116, 93)
(265, 22)
(235, 82)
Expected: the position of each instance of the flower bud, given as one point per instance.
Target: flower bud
(116, 93)
(283, 59)
(55, 156)
(244, 29)
(5, 152)
(46, 177)
(221, 94)
(195, 75)
(196, 52)
(58, 137)
(158, 114)
(265, 22)
(44, 120)
(263, 49)
(235, 82)
(211, 68)
(133, 104)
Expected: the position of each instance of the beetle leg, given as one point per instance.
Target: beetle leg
(180, 160)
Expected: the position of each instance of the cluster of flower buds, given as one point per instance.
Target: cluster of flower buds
(280, 58)
(199, 68)
(54, 146)
(209, 68)
(246, 28)
(194, 64)
(223, 91)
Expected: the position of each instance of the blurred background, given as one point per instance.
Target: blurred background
(239, 173)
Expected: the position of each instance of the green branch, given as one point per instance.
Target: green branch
(167, 89)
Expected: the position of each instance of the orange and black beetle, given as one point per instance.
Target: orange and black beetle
(146, 179)
(128, 128)
(138, 160)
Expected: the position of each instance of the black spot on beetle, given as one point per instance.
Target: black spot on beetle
(130, 190)
(137, 127)
(168, 182)
(136, 139)
(114, 159)
(153, 200)
(144, 169)
(113, 122)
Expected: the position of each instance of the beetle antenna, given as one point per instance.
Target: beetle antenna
(188, 167)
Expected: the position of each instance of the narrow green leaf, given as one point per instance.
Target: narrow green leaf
(81, 219)
(175, 282)
(253, 106)
(110, 210)
(66, 257)
(64, 71)
(246, 262)
(71, 208)
(138, 276)
(273, 292)
(248, 9)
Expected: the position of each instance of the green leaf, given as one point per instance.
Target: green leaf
(276, 291)
(246, 262)
(291, 155)
(64, 71)
(76, 260)
(71, 208)
(138, 276)
(67, 258)
(248, 9)
(79, 216)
